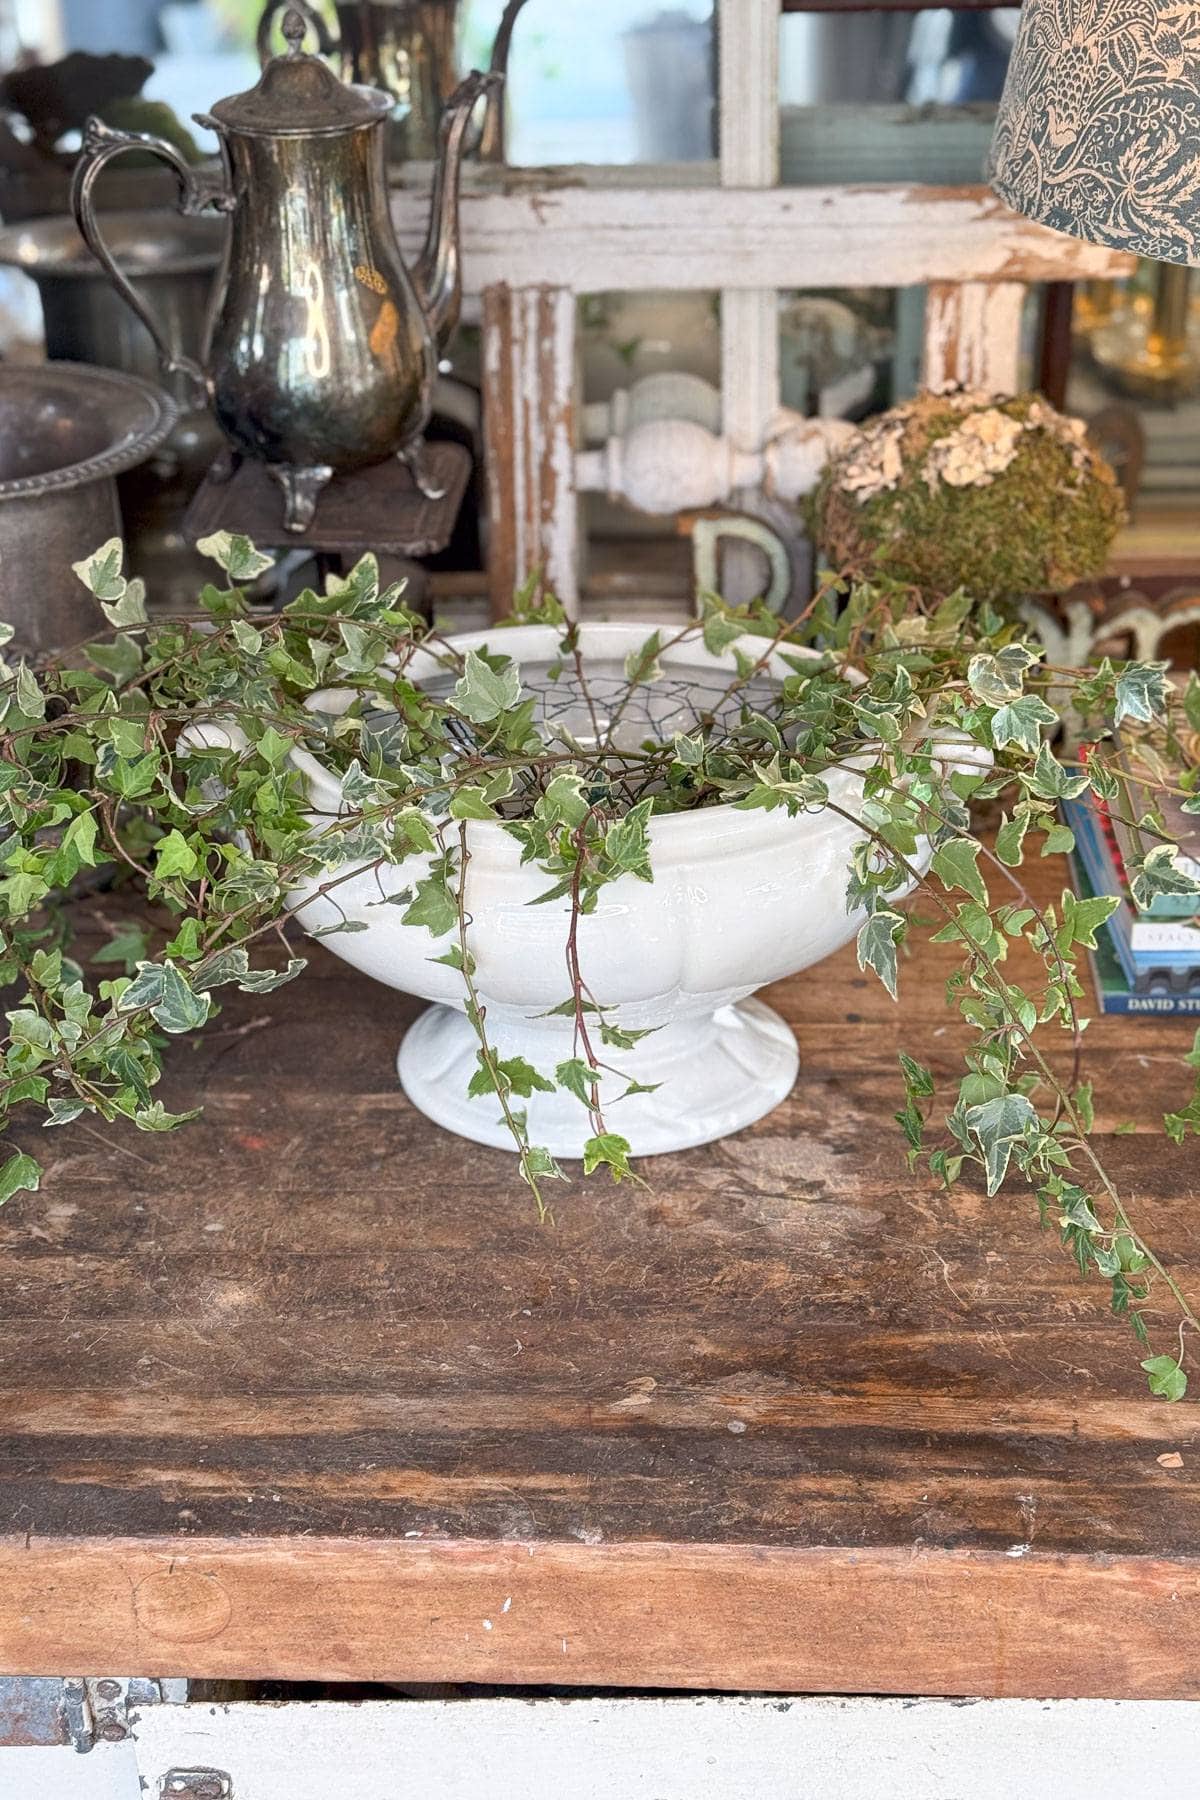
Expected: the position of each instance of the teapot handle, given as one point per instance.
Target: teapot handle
(266, 24)
(100, 145)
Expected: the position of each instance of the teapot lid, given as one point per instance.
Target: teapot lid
(300, 96)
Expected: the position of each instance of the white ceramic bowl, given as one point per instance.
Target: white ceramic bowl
(739, 899)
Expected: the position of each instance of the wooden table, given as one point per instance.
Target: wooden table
(305, 1392)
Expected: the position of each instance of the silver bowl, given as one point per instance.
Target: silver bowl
(66, 432)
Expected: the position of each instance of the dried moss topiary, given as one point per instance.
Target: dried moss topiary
(999, 497)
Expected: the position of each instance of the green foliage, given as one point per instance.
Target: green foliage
(156, 767)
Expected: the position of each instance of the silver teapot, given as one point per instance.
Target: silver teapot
(322, 345)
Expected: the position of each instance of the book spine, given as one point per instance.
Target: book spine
(1156, 1005)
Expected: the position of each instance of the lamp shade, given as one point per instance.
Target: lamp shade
(1098, 132)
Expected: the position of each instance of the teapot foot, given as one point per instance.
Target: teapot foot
(301, 490)
(413, 458)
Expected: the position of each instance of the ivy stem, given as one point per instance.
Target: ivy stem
(477, 1014)
(582, 1038)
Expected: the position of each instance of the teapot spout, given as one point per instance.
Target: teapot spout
(438, 274)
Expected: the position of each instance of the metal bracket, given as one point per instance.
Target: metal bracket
(78, 1710)
(195, 1784)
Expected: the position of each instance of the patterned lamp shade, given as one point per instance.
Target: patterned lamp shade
(1098, 132)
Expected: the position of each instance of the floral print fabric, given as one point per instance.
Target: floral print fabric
(1098, 132)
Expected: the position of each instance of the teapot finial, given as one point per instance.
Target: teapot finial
(294, 28)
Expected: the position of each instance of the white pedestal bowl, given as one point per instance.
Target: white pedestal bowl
(739, 899)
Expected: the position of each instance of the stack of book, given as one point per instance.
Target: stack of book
(1147, 958)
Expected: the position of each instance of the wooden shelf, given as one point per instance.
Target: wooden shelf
(305, 1392)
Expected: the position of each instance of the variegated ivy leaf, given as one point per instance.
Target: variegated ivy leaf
(236, 555)
(166, 993)
(719, 629)
(563, 802)
(1159, 872)
(642, 665)
(101, 573)
(359, 588)
(129, 609)
(483, 693)
(689, 749)
(1020, 722)
(627, 845)
(877, 946)
(998, 1125)
(1142, 692)
(998, 676)
(955, 863)
(30, 698)
(19, 1173)
(1050, 780)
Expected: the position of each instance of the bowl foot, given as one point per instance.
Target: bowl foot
(716, 1074)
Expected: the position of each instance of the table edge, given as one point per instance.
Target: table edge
(726, 1617)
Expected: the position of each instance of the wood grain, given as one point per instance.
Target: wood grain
(973, 336)
(632, 1615)
(789, 1417)
(529, 425)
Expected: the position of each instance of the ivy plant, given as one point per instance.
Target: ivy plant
(154, 766)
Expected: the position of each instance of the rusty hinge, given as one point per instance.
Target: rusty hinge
(195, 1784)
(76, 1710)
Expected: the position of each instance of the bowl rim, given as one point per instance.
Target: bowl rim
(667, 831)
(134, 446)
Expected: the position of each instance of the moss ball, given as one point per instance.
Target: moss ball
(1000, 497)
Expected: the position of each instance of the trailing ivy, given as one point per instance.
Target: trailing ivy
(156, 764)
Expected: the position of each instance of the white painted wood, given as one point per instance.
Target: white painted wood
(692, 1749)
(973, 335)
(748, 94)
(107, 1772)
(529, 420)
(593, 239)
(664, 464)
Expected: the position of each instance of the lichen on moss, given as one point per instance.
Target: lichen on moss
(999, 497)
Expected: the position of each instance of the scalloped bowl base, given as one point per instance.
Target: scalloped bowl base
(717, 1074)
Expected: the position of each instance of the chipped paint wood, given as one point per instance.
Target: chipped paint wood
(695, 238)
(529, 423)
(973, 335)
(307, 1392)
(748, 84)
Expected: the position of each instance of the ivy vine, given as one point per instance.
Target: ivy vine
(156, 765)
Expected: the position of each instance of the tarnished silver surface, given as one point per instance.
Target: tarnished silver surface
(66, 432)
(409, 49)
(323, 345)
(172, 259)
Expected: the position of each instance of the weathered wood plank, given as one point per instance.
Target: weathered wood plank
(592, 238)
(590, 1614)
(973, 335)
(529, 433)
